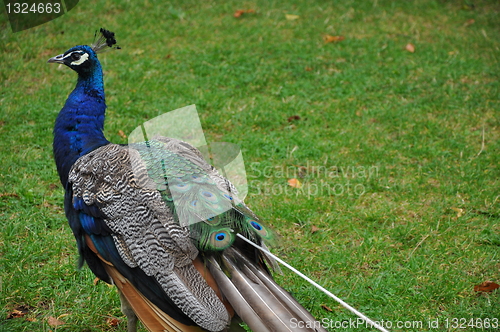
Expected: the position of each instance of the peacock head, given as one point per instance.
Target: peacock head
(83, 58)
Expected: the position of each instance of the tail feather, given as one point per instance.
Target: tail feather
(283, 296)
(238, 302)
(250, 292)
(256, 298)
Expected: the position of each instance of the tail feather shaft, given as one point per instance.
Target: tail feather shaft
(282, 295)
(238, 302)
(256, 298)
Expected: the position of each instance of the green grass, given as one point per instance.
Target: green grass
(398, 152)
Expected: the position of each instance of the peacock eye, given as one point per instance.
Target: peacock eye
(76, 56)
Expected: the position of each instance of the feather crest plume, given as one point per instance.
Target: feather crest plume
(104, 40)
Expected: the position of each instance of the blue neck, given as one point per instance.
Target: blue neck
(79, 125)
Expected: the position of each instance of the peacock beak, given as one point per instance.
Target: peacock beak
(57, 59)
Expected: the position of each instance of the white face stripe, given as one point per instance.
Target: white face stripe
(83, 58)
(69, 54)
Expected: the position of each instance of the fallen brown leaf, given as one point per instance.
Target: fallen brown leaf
(52, 321)
(294, 183)
(293, 117)
(9, 195)
(240, 12)
(487, 286)
(327, 308)
(410, 48)
(111, 321)
(19, 311)
(469, 22)
(122, 134)
(314, 229)
(459, 211)
(333, 39)
(16, 314)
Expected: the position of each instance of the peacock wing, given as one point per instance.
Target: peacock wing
(198, 195)
(112, 190)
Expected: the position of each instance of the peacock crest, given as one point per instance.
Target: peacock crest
(104, 40)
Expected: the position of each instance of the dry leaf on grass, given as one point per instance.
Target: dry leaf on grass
(410, 48)
(327, 308)
(459, 211)
(469, 22)
(333, 39)
(19, 311)
(314, 229)
(487, 286)
(9, 195)
(240, 12)
(52, 321)
(292, 17)
(111, 321)
(294, 183)
(16, 314)
(122, 134)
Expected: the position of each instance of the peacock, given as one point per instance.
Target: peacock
(159, 222)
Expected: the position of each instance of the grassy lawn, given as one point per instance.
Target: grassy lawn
(398, 152)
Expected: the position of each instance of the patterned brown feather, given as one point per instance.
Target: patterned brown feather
(150, 315)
